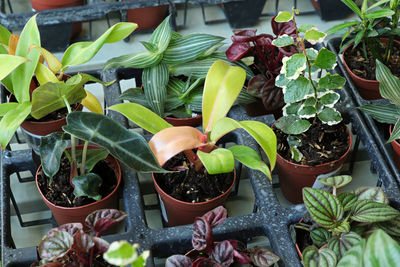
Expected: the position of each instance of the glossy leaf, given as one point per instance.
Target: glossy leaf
(51, 149)
(52, 61)
(330, 116)
(70, 228)
(83, 242)
(343, 242)
(162, 36)
(92, 103)
(121, 253)
(298, 89)
(314, 36)
(127, 146)
(320, 236)
(250, 159)
(205, 262)
(336, 181)
(140, 60)
(8, 63)
(171, 141)
(6, 107)
(373, 193)
(220, 160)
(101, 220)
(11, 121)
(347, 199)
(329, 81)
(4, 35)
(82, 52)
(155, 80)
(44, 75)
(216, 216)
(87, 185)
(291, 124)
(222, 86)
(262, 257)
(323, 207)
(369, 211)
(55, 246)
(100, 245)
(202, 234)
(388, 83)
(325, 59)
(388, 113)
(283, 16)
(223, 253)
(381, 250)
(178, 261)
(321, 258)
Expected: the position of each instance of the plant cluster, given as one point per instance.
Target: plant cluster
(266, 59)
(225, 253)
(307, 99)
(341, 221)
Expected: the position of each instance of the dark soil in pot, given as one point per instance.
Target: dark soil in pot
(322, 143)
(60, 192)
(55, 115)
(191, 186)
(357, 63)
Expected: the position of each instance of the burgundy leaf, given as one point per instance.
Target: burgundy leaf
(237, 51)
(262, 257)
(101, 245)
(100, 220)
(52, 264)
(55, 246)
(82, 242)
(283, 28)
(241, 257)
(223, 253)
(216, 216)
(70, 228)
(178, 261)
(205, 262)
(202, 234)
(256, 83)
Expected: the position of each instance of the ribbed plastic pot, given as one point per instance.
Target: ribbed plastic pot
(194, 121)
(293, 177)
(64, 215)
(396, 149)
(177, 212)
(147, 17)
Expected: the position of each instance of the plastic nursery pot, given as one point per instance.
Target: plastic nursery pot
(396, 149)
(293, 177)
(258, 109)
(176, 212)
(368, 89)
(64, 215)
(193, 121)
(147, 17)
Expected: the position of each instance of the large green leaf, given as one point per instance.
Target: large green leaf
(370, 211)
(127, 146)
(22, 76)
(388, 83)
(325, 59)
(155, 80)
(87, 185)
(140, 60)
(162, 36)
(82, 52)
(220, 160)
(354, 257)
(142, 116)
(385, 113)
(263, 134)
(250, 159)
(4, 35)
(222, 86)
(298, 89)
(11, 121)
(343, 242)
(381, 250)
(6, 107)
(8, 63)
(51, 149)
(323, 207)
(380, 13)
(187, 48)
(341, 27)
(321, 258)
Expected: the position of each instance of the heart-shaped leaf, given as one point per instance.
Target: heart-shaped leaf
(55, 246)
(330, 116)
(82, 242)
(370, 211)
(323, 207)
(325, 59)
(223, 253)
(372, 193)
(202, 238)
(100, 220)
(347, 199)
(321, 258)
(70, 228)
(291, 124)
(87, 185)
(343, 242)
(262, 257)
(336, 181)
(315, 36)
(320, 236)
(216, 216)
(220, 160)
(178, 261)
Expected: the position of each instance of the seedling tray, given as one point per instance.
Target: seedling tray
(269, 219)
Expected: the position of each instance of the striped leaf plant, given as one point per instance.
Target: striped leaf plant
(222, 86)
(340, 221)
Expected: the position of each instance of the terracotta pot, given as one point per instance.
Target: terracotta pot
(78, 214)
(53, 4)
(176, 212)
(396, 149)
(147, 17)
(368, 89)
(194, 121)
(293, 177)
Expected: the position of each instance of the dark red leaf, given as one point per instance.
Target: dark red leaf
(55, 246)
(256, 84)
(223, 253)
(70, 228)
(101, 245)
(237, 51)
(262, 257)
(82, 243)
(100, 220)
(216, 216)
(241, 257)
(202, 234)
(205, 262)
(283, 28)
(178, 261)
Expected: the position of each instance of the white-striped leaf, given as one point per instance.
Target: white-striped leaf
(343, 242)
(323, 207)
(336, 181)
(162, 36)
(239, 63)
(388, 83)
(140, 60)
(155, 80)
(175, 86)
(388, 113)
(370, 211)
(321, 258)
(395, 132)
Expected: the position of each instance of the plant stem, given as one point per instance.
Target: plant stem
(84, 153)
(73, 149)
(334, 191)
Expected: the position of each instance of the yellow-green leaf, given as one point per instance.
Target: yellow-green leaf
(8, 63)
(52, 61)
(92, 103)
(44, 74)
(220, 160)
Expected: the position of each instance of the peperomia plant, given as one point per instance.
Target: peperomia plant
(70, 244)
(222, 86)
(340, 221)
(121, 253)
(307, 99)
(225, 253)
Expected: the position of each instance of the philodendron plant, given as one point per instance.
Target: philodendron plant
(70, 244)
(340, 221)
(307, 99)
(222, 86)
(49, 96)
(225, 253)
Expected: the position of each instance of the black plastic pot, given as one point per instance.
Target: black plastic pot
(244, 13)
(331, 9)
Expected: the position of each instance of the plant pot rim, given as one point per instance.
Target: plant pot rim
(197, 203)
(323, 164)
(87, 205)
(78, 107)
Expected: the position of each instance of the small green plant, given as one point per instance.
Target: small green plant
(121, 253)
(340, 221)
(307, 99)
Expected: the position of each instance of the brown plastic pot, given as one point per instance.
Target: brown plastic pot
(396, 149)
(177, 212)
(194, 121)
(64, 215)
(293, 177)
(147, 17)
(368, 89)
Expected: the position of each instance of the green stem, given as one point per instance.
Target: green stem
(84, 153)
(365, 51)
(73, 149)
(334, 191)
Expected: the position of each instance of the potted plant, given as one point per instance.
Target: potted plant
(363, 43)
(147, 18)
(203, 179)
(338, 221)
(206, 252)
(312, 138)
(38, 102)
(388, 112)
(266, 64)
